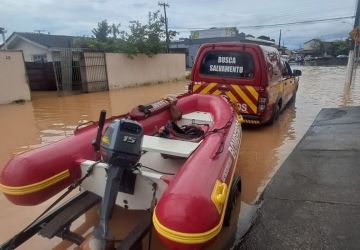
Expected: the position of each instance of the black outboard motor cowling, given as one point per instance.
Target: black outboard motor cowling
(121, 144)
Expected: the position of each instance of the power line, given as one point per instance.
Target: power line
(295, 23)
(279, 24)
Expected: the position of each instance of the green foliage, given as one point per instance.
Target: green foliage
(341, 47)
(102, 31)
(147, 38)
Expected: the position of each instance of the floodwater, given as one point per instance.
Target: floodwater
(49, 118)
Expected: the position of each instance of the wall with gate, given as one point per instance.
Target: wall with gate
(123, 71)
(13, 80)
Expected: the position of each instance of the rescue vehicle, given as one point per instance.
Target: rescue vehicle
(250, 75)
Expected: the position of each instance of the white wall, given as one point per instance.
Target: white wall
(13, 80)
(30, 49)
(124, 72)
(312, 45)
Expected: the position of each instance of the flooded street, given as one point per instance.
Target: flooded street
(49, 118)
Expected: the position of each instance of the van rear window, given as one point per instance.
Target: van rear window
(228, 64)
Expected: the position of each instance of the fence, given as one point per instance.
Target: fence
(76, 70)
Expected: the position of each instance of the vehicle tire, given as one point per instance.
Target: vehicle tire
(275, 114)
(235, 190)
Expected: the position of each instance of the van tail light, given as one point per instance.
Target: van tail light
(262, 101)
(262, 104)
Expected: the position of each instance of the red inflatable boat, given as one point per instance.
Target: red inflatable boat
(197, 177)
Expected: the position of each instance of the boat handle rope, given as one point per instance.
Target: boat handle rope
(83, 124)
(216, 130)
(70, 189)
(138, 167)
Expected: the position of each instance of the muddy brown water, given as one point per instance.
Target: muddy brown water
(49, 118)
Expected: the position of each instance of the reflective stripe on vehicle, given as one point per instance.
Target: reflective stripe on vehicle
(241, 94)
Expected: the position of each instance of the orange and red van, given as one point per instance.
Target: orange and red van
(252, 76)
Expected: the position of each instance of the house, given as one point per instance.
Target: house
(313, 44)
(38, 47)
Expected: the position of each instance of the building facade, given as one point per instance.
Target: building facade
(190, 46)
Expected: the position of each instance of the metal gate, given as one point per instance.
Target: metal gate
(41, 75)
(79, 71)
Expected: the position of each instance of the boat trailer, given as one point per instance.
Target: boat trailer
(57, 223)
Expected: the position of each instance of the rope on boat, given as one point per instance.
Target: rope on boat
(138, 166)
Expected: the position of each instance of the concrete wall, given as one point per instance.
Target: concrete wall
(13, 79)
(30, 50)
(124, 72)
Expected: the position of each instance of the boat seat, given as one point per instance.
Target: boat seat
(169, 146)
(196, 117)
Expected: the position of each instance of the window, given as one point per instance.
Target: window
(286, 70)
(39, 58)
(228, 64)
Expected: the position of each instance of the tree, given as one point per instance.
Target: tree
(341, 47)
(102, 31)
(147, 38)
(264, 38)
(115, 31)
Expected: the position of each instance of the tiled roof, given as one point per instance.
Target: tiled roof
(50, 41)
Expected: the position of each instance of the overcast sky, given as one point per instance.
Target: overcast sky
(78, 17)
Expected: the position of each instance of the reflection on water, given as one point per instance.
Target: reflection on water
(49, 118)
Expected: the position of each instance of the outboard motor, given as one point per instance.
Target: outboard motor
(121, 150)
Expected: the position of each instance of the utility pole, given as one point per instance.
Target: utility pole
(357, 16)
(3, 31)
(280, 39)
(163, 4)
(353, 54)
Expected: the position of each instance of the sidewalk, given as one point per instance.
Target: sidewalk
(313, 201)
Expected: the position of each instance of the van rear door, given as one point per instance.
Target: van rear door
(234, 71)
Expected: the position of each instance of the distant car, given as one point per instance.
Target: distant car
(309, 58)
(342, 56)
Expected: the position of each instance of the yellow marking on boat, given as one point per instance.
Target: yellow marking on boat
(105, 139)
(253, 92)
(35, 187)
(218, 195)
(193, 238)
(245, 98)
(208, 88)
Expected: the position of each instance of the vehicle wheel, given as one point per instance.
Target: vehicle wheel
(235, 190)
(275, 114)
